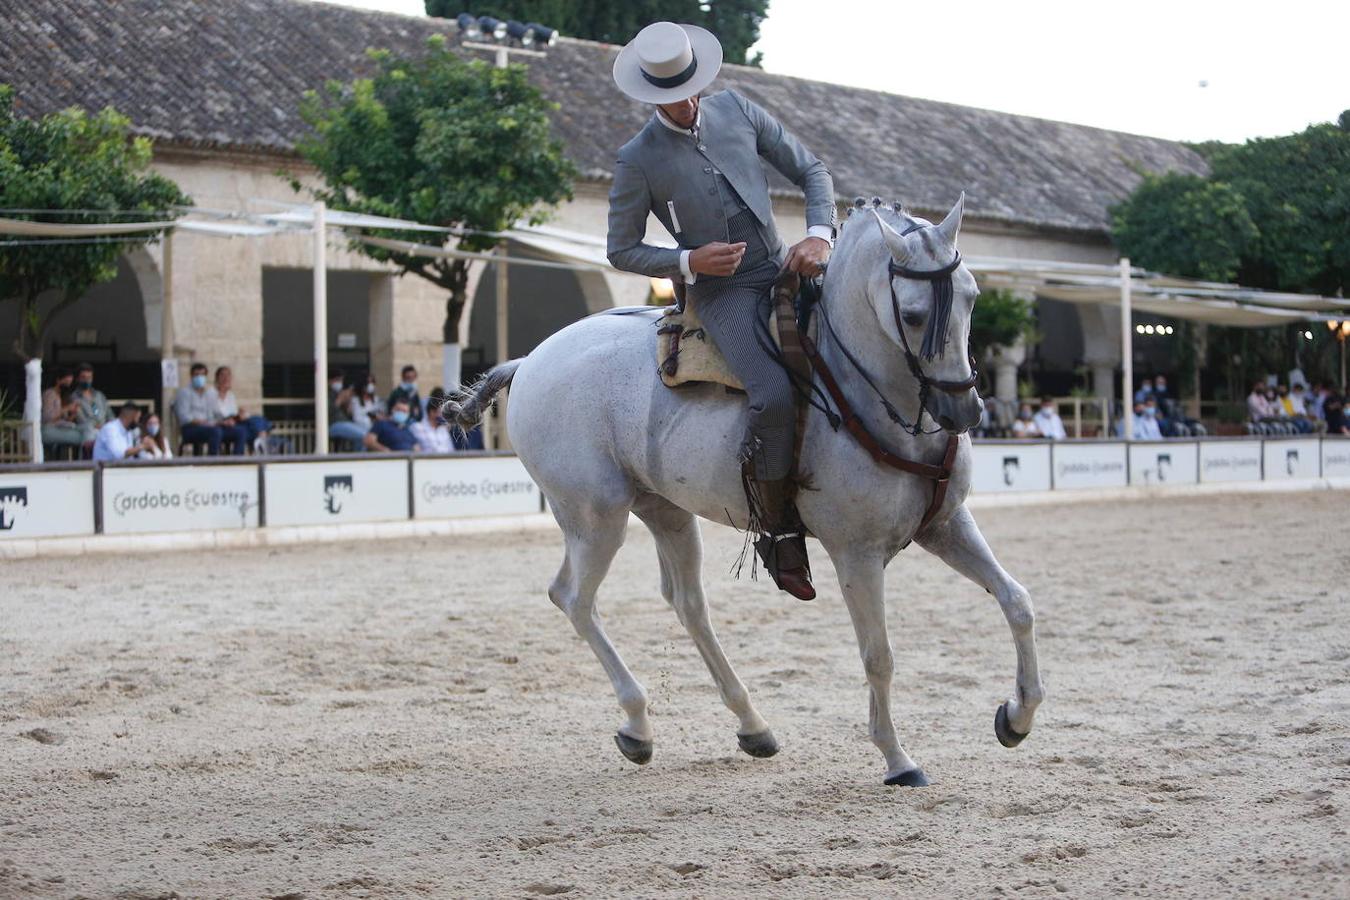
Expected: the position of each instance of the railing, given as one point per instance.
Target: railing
(14, 441)
(298, 434)
(1090, 417)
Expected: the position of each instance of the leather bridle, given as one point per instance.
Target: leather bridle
(939, 474)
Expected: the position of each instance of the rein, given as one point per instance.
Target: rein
(939, 474)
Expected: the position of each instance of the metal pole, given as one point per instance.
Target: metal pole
(503, 440)
(1126, 352)
(168, 359)
(320, 331)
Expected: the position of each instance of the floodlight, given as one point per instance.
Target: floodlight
(468, 26)
(1139, 329)
(543, 34)
(494, 28)
(1148, 329)
(517, 31)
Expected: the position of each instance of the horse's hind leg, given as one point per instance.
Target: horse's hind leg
(959, 544)
(592, 538)
(680, 547)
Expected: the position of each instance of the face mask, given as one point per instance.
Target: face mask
(1024, 415)
(370, 388)
(335, 385)
(152, 430)
(1150, 412)
(410, 386)
(400, 417)
(199, 381)
(83, 385)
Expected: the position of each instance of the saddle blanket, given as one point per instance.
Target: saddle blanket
(685, 353)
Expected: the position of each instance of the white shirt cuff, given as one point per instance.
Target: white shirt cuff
(689, 276)
(824, 232)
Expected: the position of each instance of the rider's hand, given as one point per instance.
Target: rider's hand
(716, 258)
(808, 256)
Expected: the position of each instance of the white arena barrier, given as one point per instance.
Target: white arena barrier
(65, 500)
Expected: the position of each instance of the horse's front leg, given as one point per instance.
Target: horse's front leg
(959, 544)
(861, 577)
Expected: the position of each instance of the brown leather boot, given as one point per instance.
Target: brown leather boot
(783, 547)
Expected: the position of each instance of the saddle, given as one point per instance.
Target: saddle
(686, 354)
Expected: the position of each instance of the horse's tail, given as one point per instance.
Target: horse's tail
(466, 406)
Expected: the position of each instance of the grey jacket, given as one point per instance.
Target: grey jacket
(665, 172)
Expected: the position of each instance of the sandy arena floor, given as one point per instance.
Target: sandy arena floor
(415, 719)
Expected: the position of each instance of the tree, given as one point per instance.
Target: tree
(1271, 213)
(71, 161)
(441, 141)
(735, 22)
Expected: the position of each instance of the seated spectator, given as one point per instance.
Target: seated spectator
(197, 413)
(59, 413)
(1293, 412)
(118, 438)
(253, 429)
(1333, 407)
(1145, 390)
(1025, 424)
(365, 406)
(1146, 421)
(1316, 401)
(92, 406)
(407, 392)
(392, 434)
(1300, 403)
(433, 432)
(1048, 422)
(153, 444)
(340, 424)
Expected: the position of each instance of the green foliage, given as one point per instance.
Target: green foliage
(1272, 213)
(442, 141)
(1000, 317)
(735, 22)
(71, 161)
(1185, 225)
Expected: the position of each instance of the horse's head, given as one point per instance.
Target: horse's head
(923, 296)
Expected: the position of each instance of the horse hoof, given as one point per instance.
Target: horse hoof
(760, 746)
(908, 778)
(634, 750)
(1004, 730)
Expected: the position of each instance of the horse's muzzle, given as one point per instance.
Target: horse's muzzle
(956, 413)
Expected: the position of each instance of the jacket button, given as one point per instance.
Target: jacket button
(702, 148)
(707, 170)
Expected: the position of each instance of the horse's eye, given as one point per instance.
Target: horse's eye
(912, 319)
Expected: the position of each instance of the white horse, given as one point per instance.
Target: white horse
(602, 436)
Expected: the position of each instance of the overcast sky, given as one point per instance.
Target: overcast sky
(1266, 68)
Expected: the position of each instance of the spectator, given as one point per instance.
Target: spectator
(118, 438)
(1048, 422)
(92, 407)
(197, 413)
(392, 434)
(1317, 400)
(433, 433)
(340, 424)
(59, 412)
(1334, 408)
(153, 444)
(407, 392)
(1302, 407)
(1293, 411)
(1146, 421)
(1025, 426)
(252, 429)
(365, 406)
(1160, 390)
(1145, 391)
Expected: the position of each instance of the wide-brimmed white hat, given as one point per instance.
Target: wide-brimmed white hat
(667, 63)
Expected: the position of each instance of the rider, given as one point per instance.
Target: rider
(696, 165)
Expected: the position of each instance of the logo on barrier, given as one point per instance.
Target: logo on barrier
(1290, 461)
(1011, 466)
(1163, 465)
(336, 490)
(12, 499)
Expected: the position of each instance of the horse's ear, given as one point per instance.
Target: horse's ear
(895, 241)
(952, 224)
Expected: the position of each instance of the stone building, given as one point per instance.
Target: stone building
(218, 86)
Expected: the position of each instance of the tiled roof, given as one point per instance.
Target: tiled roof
(229, 74)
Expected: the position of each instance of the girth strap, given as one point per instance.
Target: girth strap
(939, 474)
